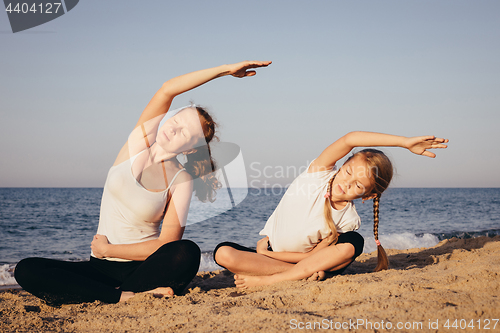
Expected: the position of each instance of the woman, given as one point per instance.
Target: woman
(145, 185)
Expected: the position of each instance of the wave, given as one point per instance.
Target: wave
(7, 275)
(207, 263)
(468, 234)
(406, 241)
(402, 241)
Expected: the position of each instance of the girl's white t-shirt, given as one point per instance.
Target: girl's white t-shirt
(298, 223)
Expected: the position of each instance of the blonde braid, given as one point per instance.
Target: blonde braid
(334, 236)
(376, 204)
(382, 261)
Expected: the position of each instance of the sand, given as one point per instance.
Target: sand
(451, 287)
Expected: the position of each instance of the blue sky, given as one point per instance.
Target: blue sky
(73, 88)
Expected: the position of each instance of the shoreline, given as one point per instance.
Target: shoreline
(456, 279)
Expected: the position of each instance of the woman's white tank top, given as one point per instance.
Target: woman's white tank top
(129, 212)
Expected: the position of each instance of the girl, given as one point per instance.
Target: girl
(145, 185)
(312, 229)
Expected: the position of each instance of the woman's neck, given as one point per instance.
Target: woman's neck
(159, 155)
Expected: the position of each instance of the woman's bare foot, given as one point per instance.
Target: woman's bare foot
(161, 292)
(126, 295)
(318, 276)
(247, 281)
(158, 293)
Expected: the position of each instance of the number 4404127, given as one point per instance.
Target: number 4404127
(484, 324)
(50, 8)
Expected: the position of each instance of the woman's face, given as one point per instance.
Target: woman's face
(353, 181)
(182, 132)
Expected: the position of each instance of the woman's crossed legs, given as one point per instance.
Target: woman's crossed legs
(166, 271)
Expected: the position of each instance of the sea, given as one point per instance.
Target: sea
(59, 223)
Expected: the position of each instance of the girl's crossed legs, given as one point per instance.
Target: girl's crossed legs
(253, 269)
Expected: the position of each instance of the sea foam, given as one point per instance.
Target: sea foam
(7, 275)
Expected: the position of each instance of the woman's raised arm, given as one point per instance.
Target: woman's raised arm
(147, 125)
(160, 103)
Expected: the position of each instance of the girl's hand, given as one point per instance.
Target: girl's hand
(99, 246)
(241, 69)
(419, 144)
(262, 245)
(321, 245)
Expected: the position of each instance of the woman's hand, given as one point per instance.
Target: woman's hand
(419, 144)
(241, 69)
(262, 245)
(99, 246)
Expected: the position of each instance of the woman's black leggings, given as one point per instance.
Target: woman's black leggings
(62, 282)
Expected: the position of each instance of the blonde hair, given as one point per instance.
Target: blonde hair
(381, 170)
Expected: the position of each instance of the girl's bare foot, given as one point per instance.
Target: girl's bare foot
(318, 276)
(247, 281)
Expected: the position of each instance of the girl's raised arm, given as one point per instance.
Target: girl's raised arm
(345, 144)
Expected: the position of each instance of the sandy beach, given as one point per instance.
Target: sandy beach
(451, 287)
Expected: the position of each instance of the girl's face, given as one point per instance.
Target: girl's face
(181, 133)
(354, 180)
